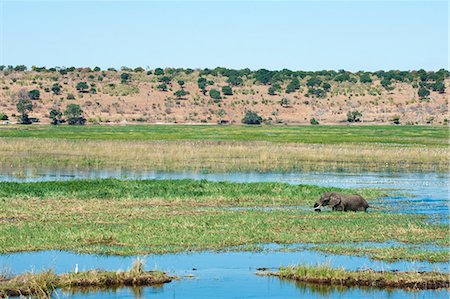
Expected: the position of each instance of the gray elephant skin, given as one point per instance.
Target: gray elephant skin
(341, 202)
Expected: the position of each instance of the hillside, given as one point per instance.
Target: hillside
(188, 96)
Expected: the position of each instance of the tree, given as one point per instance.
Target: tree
(314, 81)
(181, 83)
(34, 94)
(227, 90)
(82, 86)
(165, 79)
(326, 86)
(271, 91)
(365, 78)
(313, 121)
(24, 106)
(162, 87)
(215, 94)
(73, 114)
(235, 80)
(439, 87)
(396, 119)
(354, 116)
(3, 116)
(56, 89)
(285, 102)
(251, 118)
(293, 85)
(125, 78)
(263, 76)
(56, 116)
(159, 71)
(97, 69)
(386, 83)
(181, 93)
(423, 92)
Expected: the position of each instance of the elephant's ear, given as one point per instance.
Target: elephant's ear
(334, 200)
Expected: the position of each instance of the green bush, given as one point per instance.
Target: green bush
(252, 118)
(423, 92)
(34, 94)
(313, 121)
(227, 90)
(354, 116)
(215, 94)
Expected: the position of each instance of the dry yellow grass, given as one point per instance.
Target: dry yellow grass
(217, 155)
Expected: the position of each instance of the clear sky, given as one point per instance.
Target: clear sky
(299, 35)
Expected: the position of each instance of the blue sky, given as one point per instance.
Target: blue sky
(299, 35)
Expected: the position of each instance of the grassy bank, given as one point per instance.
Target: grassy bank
(140, 217)
(383, 279)
(42, 285)
(389, 253)
(219, 156)
(380, 134)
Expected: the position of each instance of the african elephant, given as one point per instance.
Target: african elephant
(341, 202)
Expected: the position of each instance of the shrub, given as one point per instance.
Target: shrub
(159, 71)
(34, 94)
(125, 78)
(438, 86)
(252, 118)
(162, 87)
(396, 119)
(82, 86)
(74, 116)
(285, 102)
(423, 92)
(354, 116)
(3, 116)
(181, 93)
(386, 83)
(215, 94)
(235, 80)
(56, 89)
(365, 78)
(271, 91)
(313, 121)
(56, 116)
(227, 90)
(293, 85)
(70, 96)
(181, 83)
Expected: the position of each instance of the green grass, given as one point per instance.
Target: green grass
(387, 135)
(141, 217)
(324, 274)
(390, 253)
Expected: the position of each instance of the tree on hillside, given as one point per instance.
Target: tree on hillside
(82, 86)
(227, 90)
(125, 78)
(159, 71)
(181, 83)
(162, 87)
(215, 94)
(181, 93)
(365, 78)
(285, 102)
(56, 116)
(263, 76)
(423, 92)
(354, 116)
(74, 115)
(293, 85)
(56, 89)
(24, 106)
(438, 86)
(34, 94)
(271, 91)
(251, 118)
(235, 80)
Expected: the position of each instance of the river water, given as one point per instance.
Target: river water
(232, 274)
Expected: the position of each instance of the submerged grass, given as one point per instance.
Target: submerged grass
(43, 284)
(227, 148)
(140, 217)
(324, 274)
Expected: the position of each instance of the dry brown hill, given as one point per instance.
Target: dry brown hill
(112, 97)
